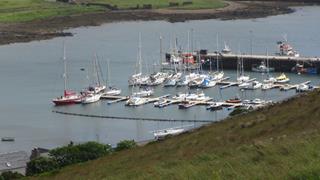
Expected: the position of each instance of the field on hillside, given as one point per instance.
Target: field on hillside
(278, 142)
(27, 10)
(196, 4)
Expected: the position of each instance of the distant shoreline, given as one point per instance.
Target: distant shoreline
(55, 27)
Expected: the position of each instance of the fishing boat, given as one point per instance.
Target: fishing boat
(282, 78)
(69, 96)
(285, 49)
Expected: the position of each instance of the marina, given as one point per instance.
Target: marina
(36, 69)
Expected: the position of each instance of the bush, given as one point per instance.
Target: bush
(72, 154)
(40, 165)
(126, 144)
(10, 175)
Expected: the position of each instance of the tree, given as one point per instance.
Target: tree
(126, 144)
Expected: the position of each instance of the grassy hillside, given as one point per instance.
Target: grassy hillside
(27, 10)
(279, 142)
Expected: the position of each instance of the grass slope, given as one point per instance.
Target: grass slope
(278, 142)
(27, 10)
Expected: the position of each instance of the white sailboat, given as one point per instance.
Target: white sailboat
(111, 90)
(138, 78)
(241, 77)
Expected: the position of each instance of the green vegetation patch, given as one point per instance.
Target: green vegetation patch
(27, 10)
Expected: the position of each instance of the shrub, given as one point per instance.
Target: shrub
(10, 175)
(126, 144)
(40, 165)
(72, 154)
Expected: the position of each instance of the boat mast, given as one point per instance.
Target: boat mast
(217, 52)
(108, 74)
(95, 68)
(160, 61)
(268, 69)
(65, 66)
(140, 55)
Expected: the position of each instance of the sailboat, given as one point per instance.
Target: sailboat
(94, 92)
(138, 78)
(69, 96)
(111, 91)
(241, 77)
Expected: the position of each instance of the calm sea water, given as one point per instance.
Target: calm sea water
(30, 74)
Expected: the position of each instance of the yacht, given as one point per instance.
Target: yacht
(160, 134)
(91, 98)
(113, 91)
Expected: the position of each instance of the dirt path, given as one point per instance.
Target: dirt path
(54, 27)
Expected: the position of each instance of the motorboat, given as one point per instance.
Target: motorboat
(250, 85)
(267, 86)
(282, 79)
(207, 83)
(270, 79)
(303, 88)
(160, 102)
(186, 105)
(243, 78)
(234, 100)
(214, 107)
(217, 76)
(145, 92)
(136, 101)
(160, 134)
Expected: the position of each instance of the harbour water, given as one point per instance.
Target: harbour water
(30, 74)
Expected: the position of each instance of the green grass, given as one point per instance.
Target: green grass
(278, 142)
(28, 10)
(197, 4)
